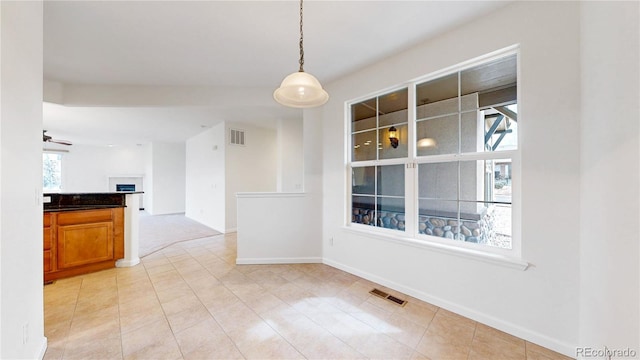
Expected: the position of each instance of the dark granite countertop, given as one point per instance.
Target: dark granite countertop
(95, 193)
(85, 201)
(80, 207)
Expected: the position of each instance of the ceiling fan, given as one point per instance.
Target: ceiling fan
(47, 138)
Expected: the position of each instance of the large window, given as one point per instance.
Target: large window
(51, 172)
(435, 160)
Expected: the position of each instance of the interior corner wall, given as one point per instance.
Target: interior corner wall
(251, 167)
(541, 303)
(168, 171)
(290, 155)
(610, 134)
(21, 71)
(205, 178)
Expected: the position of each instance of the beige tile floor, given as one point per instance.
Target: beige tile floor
(190, 301)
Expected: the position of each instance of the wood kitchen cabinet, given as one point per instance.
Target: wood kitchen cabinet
(82, 241)
(47, 237)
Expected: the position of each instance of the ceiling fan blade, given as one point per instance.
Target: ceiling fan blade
(63, 142)
(47, 138)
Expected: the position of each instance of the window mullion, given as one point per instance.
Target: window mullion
(376, 193)
(411, 199)
(411, 195)
(459, 187)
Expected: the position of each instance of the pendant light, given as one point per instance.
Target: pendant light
(300, 89)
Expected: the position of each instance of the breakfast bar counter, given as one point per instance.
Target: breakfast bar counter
(86, 232)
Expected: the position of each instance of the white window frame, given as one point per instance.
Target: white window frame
(411, 236)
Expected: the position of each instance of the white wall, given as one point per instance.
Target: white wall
(541, 303)
(286, 227)
(21, 291)
(249, 168)
(277, 228)
(290, 155)
(205, 178)
(169, 178)
(610, 131)
(87, 168)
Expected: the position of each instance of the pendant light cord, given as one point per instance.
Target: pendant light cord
(301, 37)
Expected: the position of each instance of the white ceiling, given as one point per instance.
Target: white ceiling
(218, 45)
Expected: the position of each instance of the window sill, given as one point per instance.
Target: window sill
(486, 257)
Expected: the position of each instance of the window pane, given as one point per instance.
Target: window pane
(363, 115)
(437, 109)
(499, 227)
(437, 136)
(391, 213)
(495, 86)
(502, 170)
(392, 108)
(51, 172)
(438, 181)
(393, 148)
(437, 97)
(379, 127)
(501, 132)
(364, 146)
(488, 130)
(438, 218)
(493, 228)
(363, 180)
(438, 208)
(472, 132)
(485, 207)
(391, 180)
(486, 181)
(363, 210)
(492, 80)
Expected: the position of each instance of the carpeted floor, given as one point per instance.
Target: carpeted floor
(160, 231)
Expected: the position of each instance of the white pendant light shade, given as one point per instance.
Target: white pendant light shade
(300, 90)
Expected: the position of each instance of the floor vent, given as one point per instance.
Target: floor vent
(384, 295)
(379, 293)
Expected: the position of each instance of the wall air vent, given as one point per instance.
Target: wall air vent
(236, 137)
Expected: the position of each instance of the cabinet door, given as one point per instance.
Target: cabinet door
(46, 236)
(84, 244)
(46, 243)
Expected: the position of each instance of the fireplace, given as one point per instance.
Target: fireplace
(128, 183)
(125, 187)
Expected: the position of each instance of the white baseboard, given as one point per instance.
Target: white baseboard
(494, 322)
(43, 348)
(127, 263)
(264, 261)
